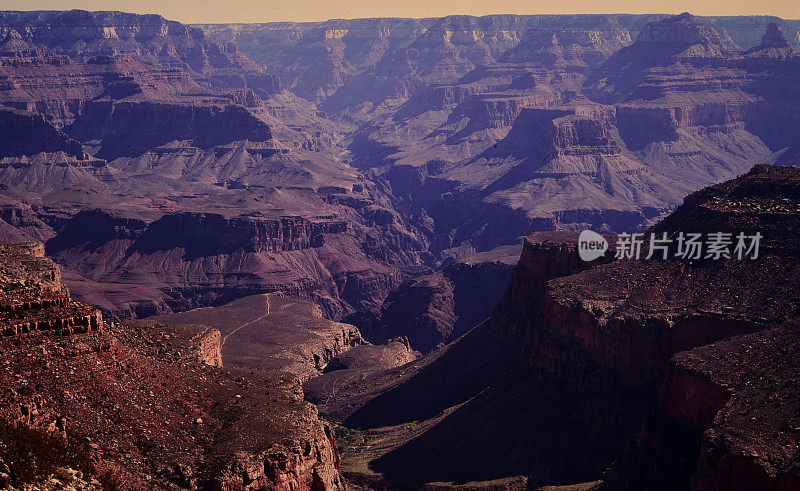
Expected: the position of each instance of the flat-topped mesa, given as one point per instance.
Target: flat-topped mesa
(201, 233)
(33, 298)
(549, 132)
(263, 332)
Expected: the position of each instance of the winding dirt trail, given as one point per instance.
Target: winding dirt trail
(225, 338)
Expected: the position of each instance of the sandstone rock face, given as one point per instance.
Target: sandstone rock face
(54, 62)
(201, 341)
(545, 256)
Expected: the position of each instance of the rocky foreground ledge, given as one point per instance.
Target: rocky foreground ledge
(151, 402)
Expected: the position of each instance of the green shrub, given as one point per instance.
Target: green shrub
(345, 437)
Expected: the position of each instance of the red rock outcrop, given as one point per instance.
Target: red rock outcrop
(272, 333)
(34, 301)
(153, 402)
(545, 256)
(609, 333)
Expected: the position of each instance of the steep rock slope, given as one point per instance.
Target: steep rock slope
(207, 427)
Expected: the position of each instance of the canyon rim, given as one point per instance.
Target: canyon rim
(383, 252)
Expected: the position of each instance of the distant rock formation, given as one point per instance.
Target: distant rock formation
(130, 129)
(773, 44)
(26, 133)
(86, 36)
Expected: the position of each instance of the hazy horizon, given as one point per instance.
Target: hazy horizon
(250, 11)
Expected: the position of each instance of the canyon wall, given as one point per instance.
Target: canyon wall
(609, 336)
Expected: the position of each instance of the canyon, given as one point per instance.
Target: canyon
(616, 372)
(473, 133)
(343, 253)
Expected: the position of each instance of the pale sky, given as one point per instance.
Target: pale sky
(220, 11)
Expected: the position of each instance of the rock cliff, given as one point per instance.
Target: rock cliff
(186, 260)
(27, 133)
(130, 129)
(84, 36)
(34, 299)
(612, 330)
